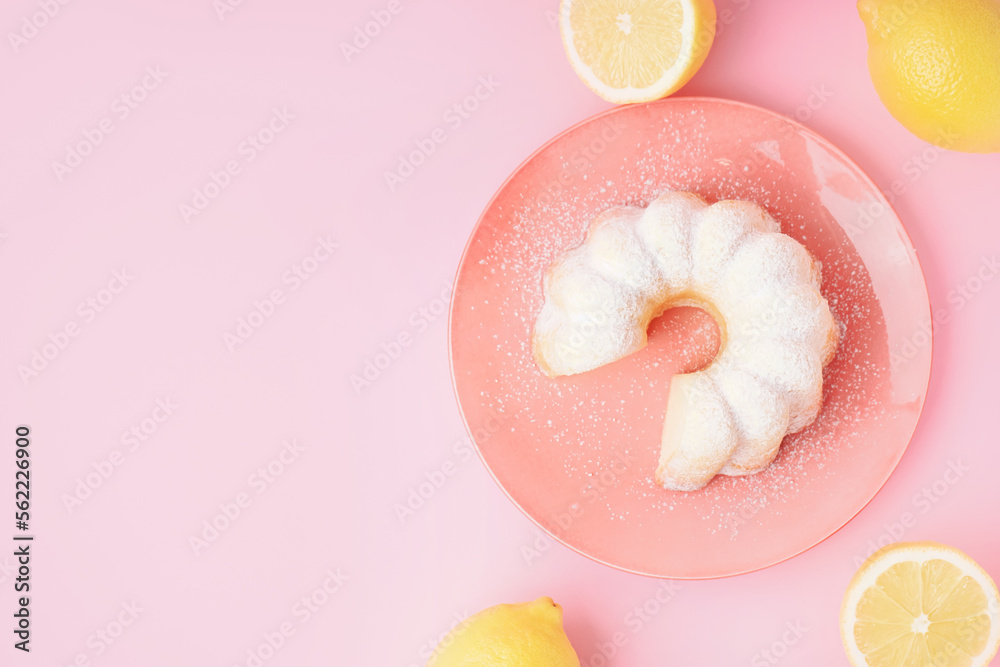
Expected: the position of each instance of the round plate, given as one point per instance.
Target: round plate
(577, 453)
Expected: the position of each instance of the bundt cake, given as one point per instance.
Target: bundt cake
(729, 258)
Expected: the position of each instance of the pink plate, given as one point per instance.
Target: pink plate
(577, 454)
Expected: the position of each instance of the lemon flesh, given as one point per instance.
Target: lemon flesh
(936, 68)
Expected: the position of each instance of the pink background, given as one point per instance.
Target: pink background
(333, 506)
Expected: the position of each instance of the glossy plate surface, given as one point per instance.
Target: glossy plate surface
(577, 454)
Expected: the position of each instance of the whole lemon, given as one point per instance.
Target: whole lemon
(529, 634)
(936, 67)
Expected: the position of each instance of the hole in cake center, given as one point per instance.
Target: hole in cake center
(687, 333)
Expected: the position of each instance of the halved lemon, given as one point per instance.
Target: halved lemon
(919, 604)
(636, 50)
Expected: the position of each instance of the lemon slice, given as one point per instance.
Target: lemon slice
(917, 604)
(636, 50)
